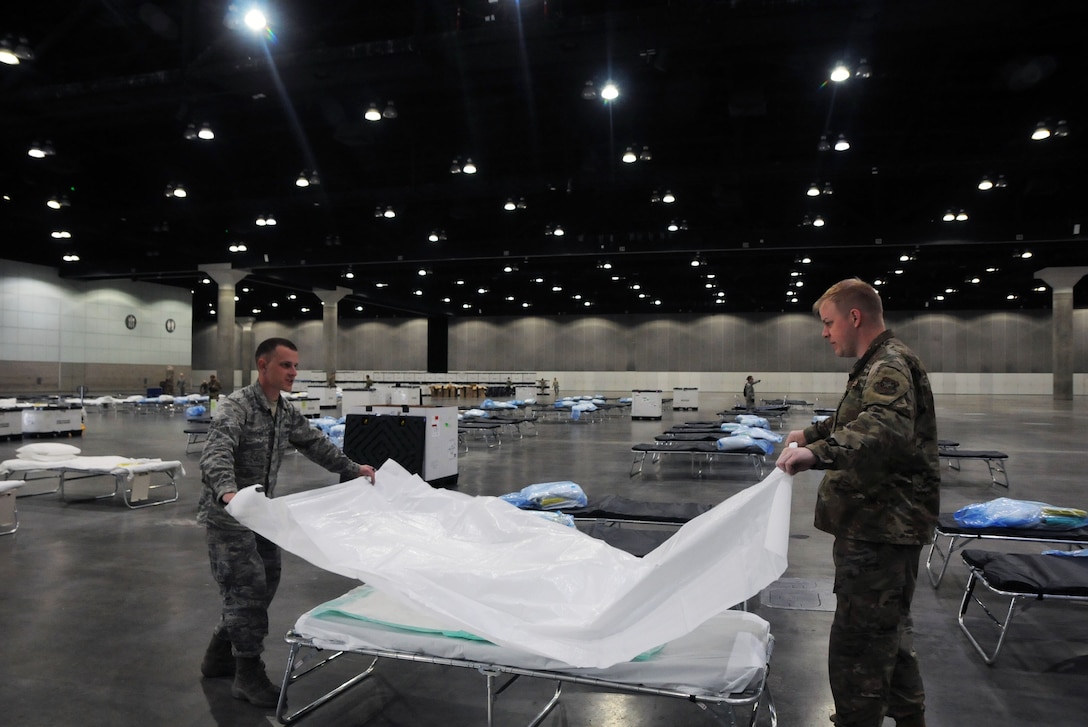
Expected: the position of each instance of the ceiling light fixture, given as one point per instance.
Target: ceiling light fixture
(668, 197)
(864, 70)
(828, 190)
(818, 221)
(238, 247)
(823, 144)
(589, 91)
(841, 144)
(840, 73)
(255, 20)
(12, 53)
(510, 205)
(1042, 131)
(629, 156)
(372, 113)
(469, 167)
(813, 190)
(389, 213)
(303, 180)
(205, 132)
(985, 184)
(390, 111)
(645, 155)
(61, 235)
(610, 92)
(56, 203)
(71, 258)
(40, 151)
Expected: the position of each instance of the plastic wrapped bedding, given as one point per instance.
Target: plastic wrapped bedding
(487, 568)
(724, 656)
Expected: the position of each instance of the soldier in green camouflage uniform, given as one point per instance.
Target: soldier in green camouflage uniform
(254, 427)
(879, 497)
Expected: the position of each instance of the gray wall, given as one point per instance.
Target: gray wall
(1005, 342)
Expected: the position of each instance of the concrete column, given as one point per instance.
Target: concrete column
(225, 348)
(1061, 281)
(329, 300)
(249, 346)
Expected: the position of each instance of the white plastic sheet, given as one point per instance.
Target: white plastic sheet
(515, 579)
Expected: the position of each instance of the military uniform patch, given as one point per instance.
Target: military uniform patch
(886, 386)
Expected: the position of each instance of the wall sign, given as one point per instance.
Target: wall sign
(130, 321)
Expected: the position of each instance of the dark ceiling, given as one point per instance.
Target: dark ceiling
(731, 99)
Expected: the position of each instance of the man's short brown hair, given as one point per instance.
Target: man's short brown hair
(852, 293)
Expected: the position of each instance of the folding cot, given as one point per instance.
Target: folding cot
(721, 666)
(699, 451)
(1020, 577)
(195, 433)
(9, 509)
(995, 461)
(652, 523)
(132, 477)
(960, 537)
(488, 430)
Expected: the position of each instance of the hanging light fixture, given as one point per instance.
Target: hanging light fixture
(206, 132)
(841, 144)
(469, 167)
(985, 184)
(510, 205)
(190, 132)
(828, 189)
(40, 151)
(864, 70)
(629, 156)
(813, 190)
(589, 91)
(823, 144)
(645, 155)
(303, 180)
(840, 73)
(12, 53)
(1042, 131)
(389, 213)
(668, 197)
(390, 111)
(818, 221)
(372, 113)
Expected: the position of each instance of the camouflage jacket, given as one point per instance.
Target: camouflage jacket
(246, 445)
(880, 450)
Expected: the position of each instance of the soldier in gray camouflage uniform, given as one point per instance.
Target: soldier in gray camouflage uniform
(246, 443)
(879, 497)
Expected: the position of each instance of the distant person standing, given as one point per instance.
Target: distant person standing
(750, 393)
(214, 387)
(555, 388)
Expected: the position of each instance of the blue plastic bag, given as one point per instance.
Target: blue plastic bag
(1004, 512)
(548, 496)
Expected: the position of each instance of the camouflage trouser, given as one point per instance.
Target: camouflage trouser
(247, 569)
(871, 659)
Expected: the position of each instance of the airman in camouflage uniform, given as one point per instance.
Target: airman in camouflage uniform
(254, 427)
(879, 497)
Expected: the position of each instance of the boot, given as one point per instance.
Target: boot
(251, 683)
(218, 659)
(918, 719)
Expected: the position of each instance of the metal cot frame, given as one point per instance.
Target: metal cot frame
(960, 537)
(745, 703)
(700, 452)
(1043, 593)
(995, 462)
(134, 487)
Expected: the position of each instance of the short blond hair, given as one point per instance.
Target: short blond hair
(852, 293)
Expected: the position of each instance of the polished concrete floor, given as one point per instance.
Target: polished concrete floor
(105, 611)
